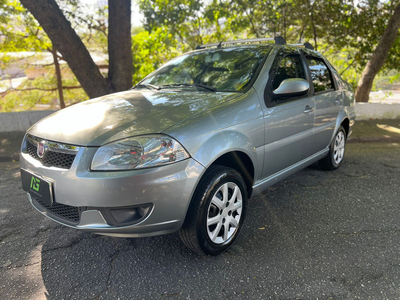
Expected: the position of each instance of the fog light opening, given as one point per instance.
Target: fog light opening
(129, 215)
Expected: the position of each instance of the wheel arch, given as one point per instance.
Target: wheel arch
(241, 162)
(346, 125)
(343, 119)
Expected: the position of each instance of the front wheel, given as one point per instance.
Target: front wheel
(336, 151)
(216, 212)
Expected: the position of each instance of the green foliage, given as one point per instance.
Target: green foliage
(151, 50)
(343, 61)
(181, 17)
(19, 31)
(42, 92)
(345, 31)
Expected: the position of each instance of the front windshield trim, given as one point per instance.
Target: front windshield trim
(244, 90)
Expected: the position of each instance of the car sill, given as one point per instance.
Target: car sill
(271, 180)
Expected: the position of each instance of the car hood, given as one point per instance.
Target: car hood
(112, 117)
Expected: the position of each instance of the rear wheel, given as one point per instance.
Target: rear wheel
(216, 212)
(336, 151)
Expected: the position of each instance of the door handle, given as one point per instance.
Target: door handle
(308, 109)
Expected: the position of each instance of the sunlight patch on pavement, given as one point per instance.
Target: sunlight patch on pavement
(388, 128)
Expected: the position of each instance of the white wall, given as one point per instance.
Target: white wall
(21, 121)
(366, 111)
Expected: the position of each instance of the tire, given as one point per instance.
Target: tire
(336, 151)
(224, 215)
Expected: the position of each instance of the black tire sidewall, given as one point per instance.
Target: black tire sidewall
(228, 176)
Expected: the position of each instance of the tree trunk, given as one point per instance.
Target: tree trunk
(59, 78)
(68, 43)
(378, 57)
(120, 45)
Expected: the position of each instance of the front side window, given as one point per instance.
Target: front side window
(288, 67)
(223, 70)
(320, 75)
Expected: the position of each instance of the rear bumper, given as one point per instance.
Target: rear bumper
(167, 189)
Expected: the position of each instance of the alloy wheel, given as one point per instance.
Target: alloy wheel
(338, 148)
(224, 213)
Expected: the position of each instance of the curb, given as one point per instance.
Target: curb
(380, 139)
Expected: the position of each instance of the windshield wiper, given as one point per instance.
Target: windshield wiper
(149, 86)
(210, 88)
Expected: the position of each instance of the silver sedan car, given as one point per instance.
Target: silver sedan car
(190, 144)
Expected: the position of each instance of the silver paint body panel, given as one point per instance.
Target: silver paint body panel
(278, 140)
(113, 117)
(169, 188)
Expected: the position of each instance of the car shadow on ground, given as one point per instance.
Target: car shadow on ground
(83, 265)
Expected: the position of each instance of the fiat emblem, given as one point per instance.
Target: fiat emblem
(41, 149)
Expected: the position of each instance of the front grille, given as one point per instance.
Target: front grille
(69, 214)
(32, 150)
(51, 158)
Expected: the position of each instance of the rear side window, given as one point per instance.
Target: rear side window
(288, 67)
(320, 75)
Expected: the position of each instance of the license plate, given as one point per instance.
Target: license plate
(37, 186)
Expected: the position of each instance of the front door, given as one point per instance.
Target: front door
(288, 122)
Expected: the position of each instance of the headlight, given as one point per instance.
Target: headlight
(138, 152)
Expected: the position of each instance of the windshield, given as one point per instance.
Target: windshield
(222, 70)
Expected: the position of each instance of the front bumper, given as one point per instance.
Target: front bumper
(168, 190)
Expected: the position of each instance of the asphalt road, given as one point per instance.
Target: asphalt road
(317, 235)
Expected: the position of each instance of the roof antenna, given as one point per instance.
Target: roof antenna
(220, 44)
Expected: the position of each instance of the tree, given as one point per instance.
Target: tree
(378, 57)
(345, 31)
(59, 78)
(151, 50)
(20, 32)
(183, 18)
(119, 45)
(67, 42)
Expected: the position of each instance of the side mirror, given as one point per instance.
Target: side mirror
(292, 87)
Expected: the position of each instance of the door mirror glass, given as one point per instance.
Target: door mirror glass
(292, 87)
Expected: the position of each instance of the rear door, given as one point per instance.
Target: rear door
(288, 122)
(328, 101)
